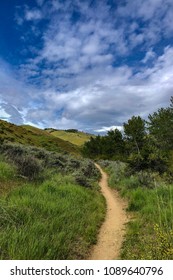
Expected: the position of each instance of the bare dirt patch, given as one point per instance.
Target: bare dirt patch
(113, 229)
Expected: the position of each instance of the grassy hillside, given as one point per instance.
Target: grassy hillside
(77, 138)
(33, 136)
(50, 204)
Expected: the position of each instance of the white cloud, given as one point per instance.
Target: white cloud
(40, 2)
(81, 76)
(114, 100)
(103, 99)
(3, 114)
(149, 56)
(33, 15)
(108, 128)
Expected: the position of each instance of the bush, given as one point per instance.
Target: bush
(74, 163)
(13, 150)
(82, 180)
(28, 166)
(29, 160)
(1, 140)
(57, 161)
(147, 179)
(89, 169)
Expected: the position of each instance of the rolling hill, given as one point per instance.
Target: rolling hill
(72, 135)
(29, 135)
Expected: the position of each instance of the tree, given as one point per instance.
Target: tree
(110, 146)
(135, 132)
(160, 125)
(114, 144)
(93, 147)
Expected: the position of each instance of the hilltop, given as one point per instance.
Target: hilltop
(74, 136)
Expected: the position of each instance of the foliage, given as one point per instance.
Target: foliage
(135, 132)
(7, 171)
(110, 146)
(160, 125)
(87, 174)
(28, 135)
(150, 200)
(28, 166)
(72, 130)
(144, 145)
(31, 162)
(65, 216)
(65, 206)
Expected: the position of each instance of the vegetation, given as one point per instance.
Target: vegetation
(46, 191)
(144, 145)
(46, 212)
(29, 135)
(110, 146)
(143, 173)
(72, 135)
(150, 231)
(54, 220)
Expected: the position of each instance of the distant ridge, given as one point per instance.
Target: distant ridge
(74, 136)
(29, 135)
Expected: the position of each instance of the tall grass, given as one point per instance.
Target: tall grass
(7, 171)
(55, 220)
(51, 206)
(150, 232)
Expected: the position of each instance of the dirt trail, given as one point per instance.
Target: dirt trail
(112, 231)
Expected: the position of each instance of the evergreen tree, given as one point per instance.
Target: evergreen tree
(160, 125)
(135, 133)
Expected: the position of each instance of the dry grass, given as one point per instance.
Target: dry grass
(29, 135)
(77, 138)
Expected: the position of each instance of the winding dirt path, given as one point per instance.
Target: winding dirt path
(113, 229)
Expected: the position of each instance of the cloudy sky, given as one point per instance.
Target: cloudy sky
(85, 64)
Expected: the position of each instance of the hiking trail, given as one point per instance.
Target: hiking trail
(113, 228)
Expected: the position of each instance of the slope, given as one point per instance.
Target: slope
(33, 136)
(74, 136)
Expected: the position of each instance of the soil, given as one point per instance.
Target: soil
(113, 229)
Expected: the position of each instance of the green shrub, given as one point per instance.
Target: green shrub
(13, 150)
(28, 166)
(1, 139)
(82, 180)
(89, 169)
(148, 179)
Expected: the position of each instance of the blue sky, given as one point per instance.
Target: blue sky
(89, 65)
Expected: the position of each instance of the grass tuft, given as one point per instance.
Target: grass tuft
(55, 220)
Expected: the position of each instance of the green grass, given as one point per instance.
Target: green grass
(50, 205)
(48, 216)
(8, 179)
(76, 138)
(150, 234)
(150, 231)
(33, 136)
(54, 220)
(7, 171)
